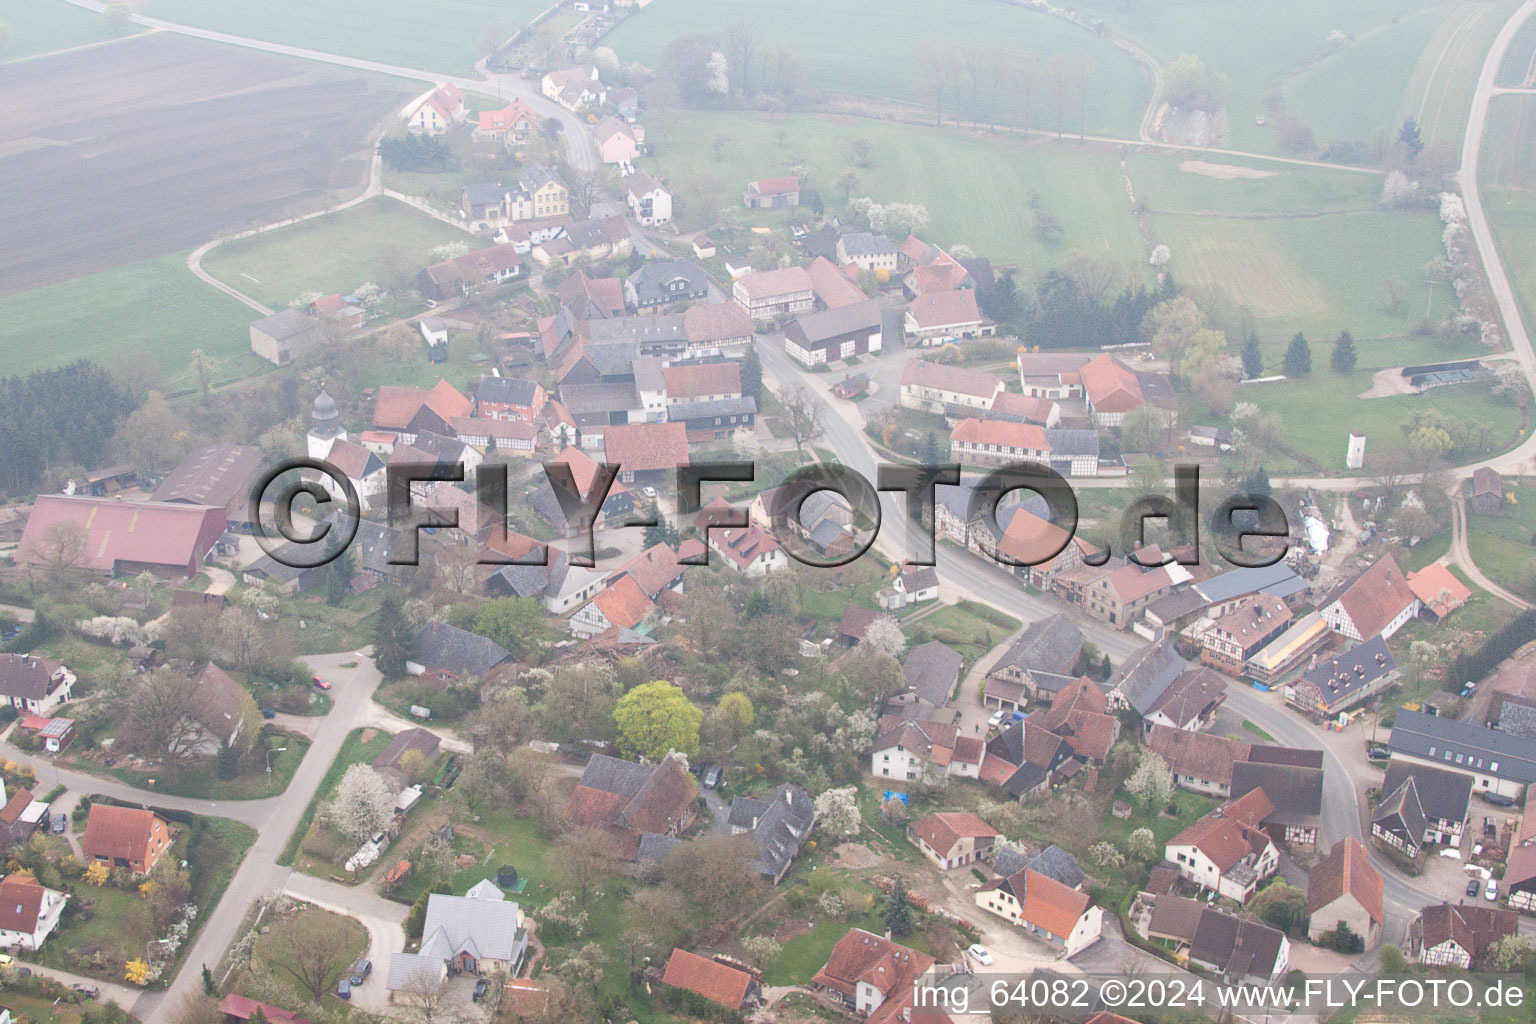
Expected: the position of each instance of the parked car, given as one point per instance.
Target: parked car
(981, 954)
(269, 712)
(997, 718)
(344, 989)
(89, 991)
(1492, 892)
(712, 776)
(1497, 799)
(59, 824)
(1473, 886)
(6, 960)
(322, 682)
(361, 970)
(481, 987)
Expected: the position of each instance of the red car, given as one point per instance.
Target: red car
(322, 683)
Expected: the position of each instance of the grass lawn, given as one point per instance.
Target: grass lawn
(1439, 92)
(884, 62)
(449, 37)
(974, 185)
(806, 953)
(1345, 89)
(354, 750)
(1258, 730)
(266, 955)
(1508, 179)
(327, 627)
(334, 253)
(43, 1011)
(201, 779)
(41, 26)
(970, 628)
(154, 310)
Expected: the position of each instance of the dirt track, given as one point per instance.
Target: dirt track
(157, 143)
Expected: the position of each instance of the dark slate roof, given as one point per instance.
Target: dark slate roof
(1053, 861)
(526, 580)
(441, 646)
(821, 242)
(1146, 675)
(920, 578)
(931, 670)
(782, 828)
(482, 193)
(681, 412)
(745, 810)
(810, 330)
(614, 775)
(1026, 780)
(1240, 582)
(1240, 947)
(1296, 792)
(867, 243)
(511, 390)
(1401, 811)
(1442, 794)
(1465, 746)
(1066, 442)
(1518, 718)
(651, 281)
(656, 847)
(1051, 645)
(1352, 670)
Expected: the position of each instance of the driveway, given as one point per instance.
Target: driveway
(384, 919)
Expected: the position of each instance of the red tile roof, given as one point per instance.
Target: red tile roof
(889, 968)
(833, 287)
(21, 903)
(123, 833)
(1051, 906)
(395, 407)
(645, 447)
(770, 186)
(655, 568)
(715, 322)
(943, 830)
(1035, 410)
(1110, 385)
(19, 802)
(508, 117)
(945, 309)
(1000, 432)
(1438, 589)
(714, 981)
(1376, 597)
(244, 1009)
(938, 277)
(1030, 539)
(923, 374)
(149, 532)
(1346, 869)
(768, 283)
(692, 380)
(624, 604)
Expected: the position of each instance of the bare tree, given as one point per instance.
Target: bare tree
(311, 947)
(156, 715)
(62, 546)
(935, 63)
(425, 994)
(802, 416)
(1082, 73)
(1024, 83)
(1058, 76)
(583, 861)
(741, 41)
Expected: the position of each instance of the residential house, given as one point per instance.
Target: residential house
(1343, 889)
(624, 606)
(1012, 408)
(1487, 492)
(1052, 375)
(1240, 949)
(931, 387)
(437, 111)
(1119, 595)
(1244, 631)
(1458, 935)
(539, 196)
(833, 287)
(750, 550)
(872, 977)
(1286, 653)
(33, 685)
(994, 442)
(770, 294)
(235, 1007)
(1111, 389)
(221, 709)
(772, 193)
(1026, 759)
(939, 318)
(1026, 545)
(835, 334)
(283, 336)
(479, 933)
(625, 101)
(953, 839)
(574, 88)
(1225, 590)
(627, 801)
(701, 382)
(648, 453)
(1050, 647)
(440, 648)
(731, 987)
(1078, 714)
(594, 239)
(20, 816)
(913, 585)
(483, 201)
(616, 141)
(125, 837)
(1520, 868)
(407, 411)
(650, 202)
(911, 750)
(1143, 678)
(509, 398)
(591, 298)
(1296, 793)
(517, 122)
(1226, 850)
(1374, 602)
(932, 672)
(779, 824)
(867, 250)
(935, 277)
(1337, 682)
(1499, 762)
(1064, 917)
(467, 274)
(1190, 702)
(29, 912)
(1420, 805)
(661, 284)
(216, 475)
(714, 419)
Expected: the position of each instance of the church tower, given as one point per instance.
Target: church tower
(324, 426)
